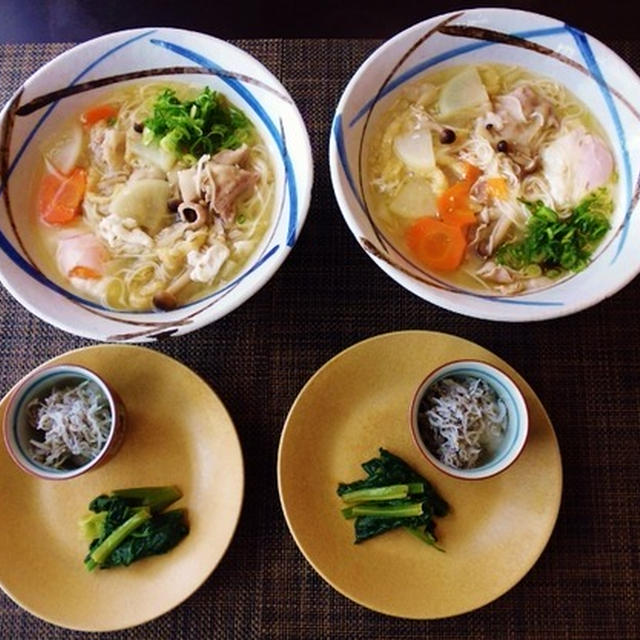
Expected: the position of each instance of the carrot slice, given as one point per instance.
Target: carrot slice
(454, 198)
(462, 218)
(471, 174)
(454, 204)
(60, 196)
(95, 114)
(436, 244)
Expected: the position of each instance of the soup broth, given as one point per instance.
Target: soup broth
(491, 177)
(152, 198)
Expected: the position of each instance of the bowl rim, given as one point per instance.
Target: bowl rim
(120, 325)
(453, 299)
(10, 420)
(520, 402)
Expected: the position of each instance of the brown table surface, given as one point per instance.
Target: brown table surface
(327, 296)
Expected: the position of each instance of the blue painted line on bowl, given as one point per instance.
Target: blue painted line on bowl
(443, 57)
(46, 114)
(525, 303)
(585, 49)
(342, 154)
(8, 248)
(18, 259)
(251, 100)
(5, 245)
(587, 53)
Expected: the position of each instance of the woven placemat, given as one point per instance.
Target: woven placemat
(327, 296)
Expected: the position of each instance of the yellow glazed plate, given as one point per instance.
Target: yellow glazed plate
(358, 402)
(178, 432)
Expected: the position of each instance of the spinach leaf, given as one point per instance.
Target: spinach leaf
(389, 469)
(389, 472)
(130, 524)
(154, 537)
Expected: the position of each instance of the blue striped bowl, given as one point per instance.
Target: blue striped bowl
(180, 56)
(517, 425)
(595, 74)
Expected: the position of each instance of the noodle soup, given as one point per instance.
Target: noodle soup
(492, 178)
(152, 198)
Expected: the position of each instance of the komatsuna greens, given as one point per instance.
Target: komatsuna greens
(130, 524)
(392, 495)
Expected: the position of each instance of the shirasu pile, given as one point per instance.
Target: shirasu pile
(459, 418)
(74, 422)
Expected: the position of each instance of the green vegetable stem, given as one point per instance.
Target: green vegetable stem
(130, 524)
(373, 494)
(156, 498)
(391, 496)
(108, 545)
(154, 537)
(400, 510)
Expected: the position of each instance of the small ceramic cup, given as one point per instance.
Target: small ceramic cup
(509, 445)
(19, 431)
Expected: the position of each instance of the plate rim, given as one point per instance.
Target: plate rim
(548, 532)
(62, 358)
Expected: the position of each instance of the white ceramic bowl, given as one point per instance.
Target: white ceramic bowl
(38, 385)
(517, 418)
(595, 74)
(196, 59)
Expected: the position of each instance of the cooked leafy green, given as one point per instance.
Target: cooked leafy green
(101, 548)
(155, 536)
(378, 494)
(389, 469)
(130, 524)
(557, 243)
(192, 128)
(392, 495)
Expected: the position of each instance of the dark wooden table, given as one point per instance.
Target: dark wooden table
(329, 295)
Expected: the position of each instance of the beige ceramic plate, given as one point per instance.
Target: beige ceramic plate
(359, 401)
(178, 432)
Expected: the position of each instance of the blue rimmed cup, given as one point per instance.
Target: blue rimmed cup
(18, 430)
(516, 431)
